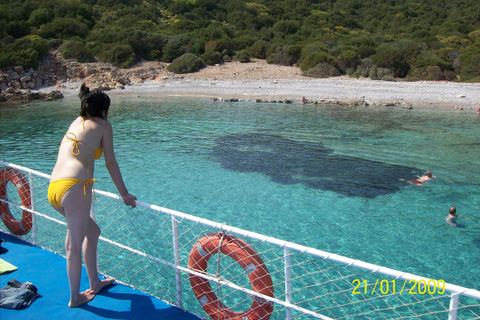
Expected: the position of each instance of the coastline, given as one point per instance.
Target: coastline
(258, 80)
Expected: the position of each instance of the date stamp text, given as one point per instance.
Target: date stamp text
(392, 287)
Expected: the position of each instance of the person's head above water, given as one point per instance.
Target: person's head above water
(428, 174)
(452, 210)
(95, 103)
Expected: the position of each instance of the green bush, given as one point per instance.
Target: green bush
(17, 29)
(259, 49)
(26, 52)
(388, 78)
(6, 60)
(243, 56)
(120, 55)
(314, 58)
(285, 56)
(286, 26)
(28, 58)
(363, 69)
(394, 60)
(40, 16)
(433, 65)
(175, 47)
(179, 7)
(313, 47)
(186, 63)
(470, 69)
(295, 51)
(212, 57)
(75, 49)
(322, 70)
(430, 58)
(36, 43)
(376, 73)
(154, 55)
(63, 28)
(143, 42)
(102, 36)
(397, 56)
(181, 26)
(347, 59)
(431, 73)
(364, 46)
(216, 31)
(226, 47)
(243, 42)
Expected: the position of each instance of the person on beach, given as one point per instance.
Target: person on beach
(453, 216)
(70, 189)
(419, 181)
(304, 101)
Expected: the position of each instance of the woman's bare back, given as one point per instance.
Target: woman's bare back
(75, 160)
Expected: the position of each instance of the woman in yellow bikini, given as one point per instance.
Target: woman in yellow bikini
(70, 190)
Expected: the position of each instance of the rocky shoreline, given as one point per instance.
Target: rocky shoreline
(23, 85)
(355, 103)
(23, 96)
(256, 81)
(19, 84)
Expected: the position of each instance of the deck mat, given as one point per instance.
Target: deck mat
(47, 271)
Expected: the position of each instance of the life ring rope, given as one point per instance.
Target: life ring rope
(14, 176)
(250, 262)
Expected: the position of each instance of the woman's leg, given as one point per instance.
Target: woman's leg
(90, 246)
(77, 213)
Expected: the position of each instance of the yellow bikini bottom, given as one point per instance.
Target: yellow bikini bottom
(57, 189)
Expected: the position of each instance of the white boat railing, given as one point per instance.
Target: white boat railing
(149, 248)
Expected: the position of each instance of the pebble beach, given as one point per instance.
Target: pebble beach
(260, 81)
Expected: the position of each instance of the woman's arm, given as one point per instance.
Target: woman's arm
(113, 168)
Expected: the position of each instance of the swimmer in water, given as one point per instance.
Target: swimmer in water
(453, 216)
(419, 181)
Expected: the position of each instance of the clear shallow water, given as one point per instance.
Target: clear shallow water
(321, 176)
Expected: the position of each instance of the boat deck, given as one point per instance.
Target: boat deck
(47, 271)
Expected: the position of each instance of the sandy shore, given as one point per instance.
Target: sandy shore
(259, 80)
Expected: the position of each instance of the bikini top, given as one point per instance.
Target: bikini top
(70, 136)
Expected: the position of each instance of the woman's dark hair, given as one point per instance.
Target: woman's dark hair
(95, 103)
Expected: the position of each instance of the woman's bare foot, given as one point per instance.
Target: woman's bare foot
(100, 285)
(83, 298)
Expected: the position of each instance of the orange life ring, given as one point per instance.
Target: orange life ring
(25, 225)
(248, 259)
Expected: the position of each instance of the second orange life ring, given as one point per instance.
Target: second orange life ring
(248, 259)
(25, 225)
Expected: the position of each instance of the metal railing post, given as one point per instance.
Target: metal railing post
(452, 315)
(288, 282)
(92, 215)
(33, 208)
(92, 209)
(178, 274)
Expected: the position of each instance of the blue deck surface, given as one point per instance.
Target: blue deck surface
(47, 271)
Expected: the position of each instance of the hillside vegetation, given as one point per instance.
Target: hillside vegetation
(380, 39)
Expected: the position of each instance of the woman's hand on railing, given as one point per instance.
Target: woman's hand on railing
(129, 199)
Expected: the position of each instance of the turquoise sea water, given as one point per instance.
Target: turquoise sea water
(321, 176)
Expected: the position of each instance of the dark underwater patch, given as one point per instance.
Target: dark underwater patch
(288, 161)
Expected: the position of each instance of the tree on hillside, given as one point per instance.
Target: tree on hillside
(414, 39)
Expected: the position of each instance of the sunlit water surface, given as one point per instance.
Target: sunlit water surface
(321, 176)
